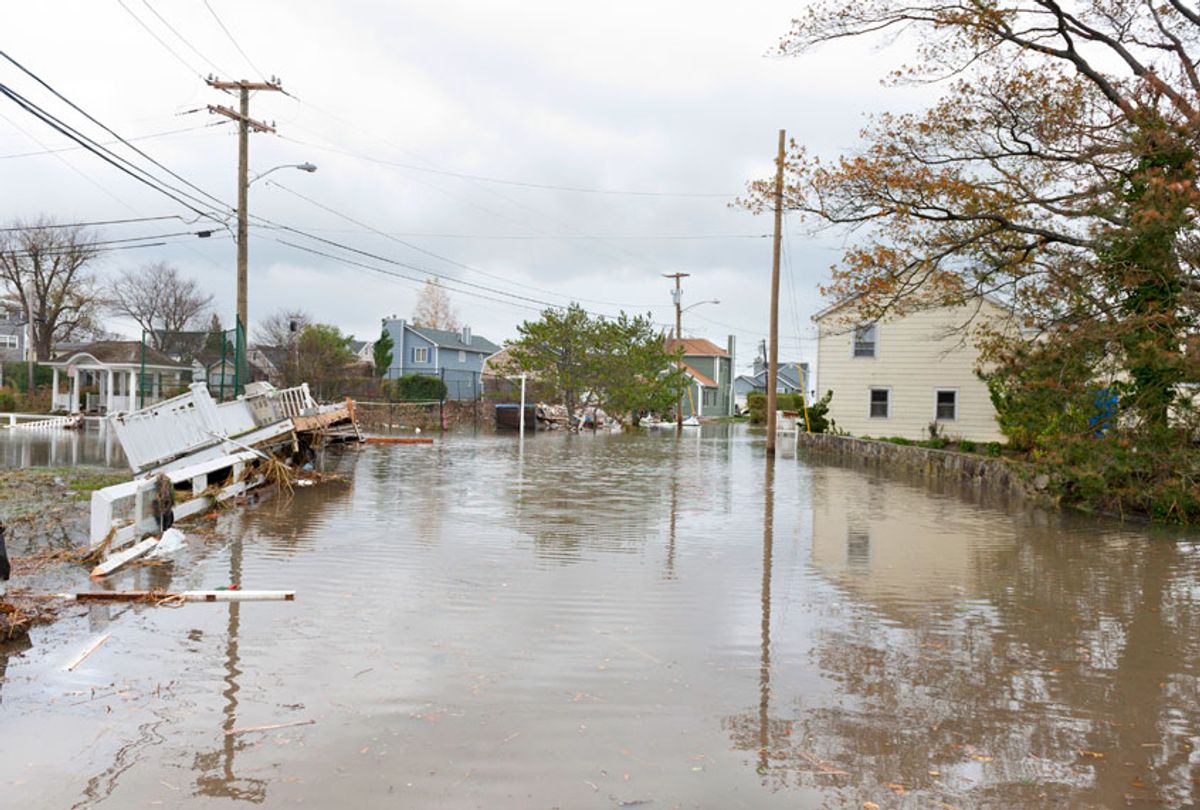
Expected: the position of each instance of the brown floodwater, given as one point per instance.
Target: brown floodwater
(627, 621)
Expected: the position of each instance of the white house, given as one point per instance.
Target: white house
(898, 376)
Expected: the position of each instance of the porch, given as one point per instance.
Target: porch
(113, 377)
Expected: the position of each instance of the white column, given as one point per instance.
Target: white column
(133, 391)
(109, 397)
(74, 405)
(54, 388)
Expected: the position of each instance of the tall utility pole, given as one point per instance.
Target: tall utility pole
(245, 124)
(773, 357)
(677, 296)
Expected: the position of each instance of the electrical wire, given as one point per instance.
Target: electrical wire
(110, 143)
(440, 257)
(92, 223)
(110, 158)
(508, 182)
(394, 274)
(184, 39)
(107, 129)
(160, 40)
(253, 67)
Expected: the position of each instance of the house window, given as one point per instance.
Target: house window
(710, 397)
(946, 403)
(864, 340)
(881, 403)
(421, 354)
(462, 356)
(9, 341)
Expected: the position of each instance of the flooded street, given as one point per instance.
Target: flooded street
(616, 621)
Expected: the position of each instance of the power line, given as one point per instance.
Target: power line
(394, 274)
(509, 182)
(234, 41)
(110, 143)
(115, 160)
(107, 129)
(431, 254)
(533, 237)
(54, 225)
(183, 39)
(160, 40)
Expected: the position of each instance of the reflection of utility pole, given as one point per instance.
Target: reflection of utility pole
(773, 358)
(677, 297)
(245, 124)
(764, 670)
(30, 350)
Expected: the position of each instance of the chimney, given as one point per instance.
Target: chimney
(465, 336)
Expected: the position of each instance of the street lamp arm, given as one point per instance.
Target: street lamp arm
(304, 167)
(698, 303)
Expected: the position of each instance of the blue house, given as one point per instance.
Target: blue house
(456, 357)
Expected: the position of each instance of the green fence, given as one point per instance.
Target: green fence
(216, 356)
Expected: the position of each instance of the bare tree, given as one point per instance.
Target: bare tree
(45, 268)
(433, 309)
(282, 327)
(159, 300)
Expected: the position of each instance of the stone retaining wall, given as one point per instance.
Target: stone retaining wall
(983, 475)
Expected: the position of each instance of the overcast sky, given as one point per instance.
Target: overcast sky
(392, 100)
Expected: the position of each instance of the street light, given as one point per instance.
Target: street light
(304, 167)
(678, 296)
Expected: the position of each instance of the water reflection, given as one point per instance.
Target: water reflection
(997, 660)
(217, 775)
(93, 445)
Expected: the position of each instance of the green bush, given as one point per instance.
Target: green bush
(8, 402)
(818, 412)
(899, 440)
(966, 446)
(993, 449)
(936, 443)
(419, 388)
(756, 401)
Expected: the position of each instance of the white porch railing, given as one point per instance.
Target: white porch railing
(193, 421)
(126, 510)
(53, 423)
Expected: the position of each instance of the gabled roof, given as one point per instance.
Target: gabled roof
(120, 352)
(444, 339)
(703, 379)
(696, 347)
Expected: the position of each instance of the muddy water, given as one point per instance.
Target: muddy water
(603, 621)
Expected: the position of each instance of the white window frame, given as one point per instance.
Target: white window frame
(462, 356)
(937, 391)
(10, 341)
(420, 354)
(854, 355)
(873, 388)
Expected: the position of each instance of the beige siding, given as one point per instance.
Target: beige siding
(914, 357)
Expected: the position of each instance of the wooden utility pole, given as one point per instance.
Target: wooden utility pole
(245, 124)
(773, 355)
(677, 295)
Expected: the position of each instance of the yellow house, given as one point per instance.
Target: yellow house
(897, 376)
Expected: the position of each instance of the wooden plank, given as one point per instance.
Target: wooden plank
(122, 557)
(271, 727)
(91, 648)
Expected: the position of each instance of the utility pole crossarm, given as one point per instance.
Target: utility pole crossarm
(244, 85)
(258, 126)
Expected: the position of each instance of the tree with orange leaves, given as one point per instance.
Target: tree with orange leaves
(1057, 172)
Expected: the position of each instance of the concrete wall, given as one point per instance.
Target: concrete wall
(914, 357)
(997, 478)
